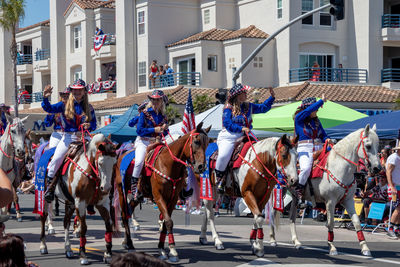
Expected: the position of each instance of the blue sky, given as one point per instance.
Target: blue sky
(35, 11)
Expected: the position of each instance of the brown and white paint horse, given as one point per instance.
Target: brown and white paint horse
(256, 185)
(88, 179)
(167, 180)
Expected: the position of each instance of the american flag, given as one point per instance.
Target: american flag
(188, 122)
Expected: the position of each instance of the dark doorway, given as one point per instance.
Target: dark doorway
(395, 9)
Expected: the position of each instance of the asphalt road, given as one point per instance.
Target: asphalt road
(234, 232)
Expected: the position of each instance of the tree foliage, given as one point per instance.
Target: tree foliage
(172, 111)
(202, 102)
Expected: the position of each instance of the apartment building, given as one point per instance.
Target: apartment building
(205, 40)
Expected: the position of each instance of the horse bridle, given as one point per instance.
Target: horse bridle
(278, 155)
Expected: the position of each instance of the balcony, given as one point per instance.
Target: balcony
(24, 59)
(391, 29)
(42, 54)
(30, 98)
(335, 75)
(180, 78)
(42, 60)
(104, 47)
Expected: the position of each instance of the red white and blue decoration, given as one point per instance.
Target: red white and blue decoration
(99, 41)
(188, 122)
(205, 183)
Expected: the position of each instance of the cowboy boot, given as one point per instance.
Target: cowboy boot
(220, 181)
(137, 195)
(51, 187)
(185, 194)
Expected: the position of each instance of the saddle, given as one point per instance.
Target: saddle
(74, 150)
(242, 145)
(320, 157)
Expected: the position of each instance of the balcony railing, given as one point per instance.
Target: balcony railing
(390, 75)
(102, 87)
(42, 54)
(24, 59)
(30, 98)
(110, 39)
(391, 21)
(179, 78)
(336, 75)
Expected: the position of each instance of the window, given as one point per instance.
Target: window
(77, 37)
(141, 23)
(142, 73)
(306, 6)
(206, 16)
(77, 74)
(212, 63)
(279, 8)
(325, 19)
(231, 62)
(258, 62)
(325, 71)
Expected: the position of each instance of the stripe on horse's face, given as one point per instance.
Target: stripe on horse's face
(199, 146)
(287, 158)
(17, 132)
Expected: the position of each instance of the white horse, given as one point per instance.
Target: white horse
(338, 183)
(12, 148)
(86, 183)
(276, 154)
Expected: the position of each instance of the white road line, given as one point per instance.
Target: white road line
(341, 253)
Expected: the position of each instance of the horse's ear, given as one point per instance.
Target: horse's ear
(24, 119)
(366, 130)
(118, 146)
(109, 136)
(198, 128)
(102, 147)
(9, 118)
(294, 140)
(374, 127)
(207, 129)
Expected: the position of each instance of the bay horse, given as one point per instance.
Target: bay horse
(12, 149)
(86, 180)
(256, 180)
(165, 182)
(338, 184)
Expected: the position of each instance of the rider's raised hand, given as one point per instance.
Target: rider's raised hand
(47, 91)
(323, 97)
(271, 91)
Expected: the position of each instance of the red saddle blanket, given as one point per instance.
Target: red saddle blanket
(151, 158)
(238, 162)
(320, 163)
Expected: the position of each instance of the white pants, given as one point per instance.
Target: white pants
(226, 145)
(60, 152)
(140, 154)
(305, 155)
(55, 138)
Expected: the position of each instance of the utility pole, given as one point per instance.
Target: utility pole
(266, 41)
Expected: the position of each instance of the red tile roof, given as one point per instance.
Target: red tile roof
(45, 23)
(333, 92)
(223, 35)
(91, 4)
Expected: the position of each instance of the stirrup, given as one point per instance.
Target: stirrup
(221, 188)
(49, 195)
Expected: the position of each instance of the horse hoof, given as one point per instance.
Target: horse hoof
(19, 219)
(333, 253)
(51, 231)
(163, 257)
(259, 253)
(219, 247)
(69, 254)
(107, 260)
(136, 228)
(44, 251)
(77, 234)
(273, 244)
(173, 259)
(203, 240)
(366, 253)
(297, 246)
(84, 261)
(46, 228)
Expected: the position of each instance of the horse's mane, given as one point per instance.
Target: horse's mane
(262, 146)
(342, 146)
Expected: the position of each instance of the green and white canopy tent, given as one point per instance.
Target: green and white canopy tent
(280, 119)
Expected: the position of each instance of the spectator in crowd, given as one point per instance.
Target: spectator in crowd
(385, 152)
(339, 73)
(153, 72)
(110, 78)
(161, 73)
(134, 259)
(4, 110)
(393, 177)
(169, 72)
(99, 31)
(316, 72)
(24, 97)
(377, 193)
(12, 251)
(6, 190)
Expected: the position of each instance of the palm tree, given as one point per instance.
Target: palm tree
(12, 11)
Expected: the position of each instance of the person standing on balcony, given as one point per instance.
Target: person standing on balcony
(237, 121)
(169, 72)
(316, 72)
(161, 73)
(339, 73)
(77, 114)
(98, 31)
(311, 135)
(153, 72)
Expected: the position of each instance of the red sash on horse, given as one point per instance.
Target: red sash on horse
(151, 158)
(319, 164)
